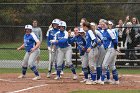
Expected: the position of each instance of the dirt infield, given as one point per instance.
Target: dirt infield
(10, 84)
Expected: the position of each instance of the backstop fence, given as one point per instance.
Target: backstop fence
(13, 17)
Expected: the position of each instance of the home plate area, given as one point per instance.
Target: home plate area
(9, 83)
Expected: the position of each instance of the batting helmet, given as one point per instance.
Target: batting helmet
(28, 27)
(56, 21)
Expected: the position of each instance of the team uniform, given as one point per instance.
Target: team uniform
(110, 44)
(30, 41)
(64, 50)
(90, 43)
(51, 47)
(101, 53)
(81, 44)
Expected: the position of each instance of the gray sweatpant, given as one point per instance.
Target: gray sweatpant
(52, 58)
(101, 55)
(64, 53)
(30, 58)
(109, 59)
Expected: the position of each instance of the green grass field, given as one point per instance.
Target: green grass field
(13, 54)
(106, 91)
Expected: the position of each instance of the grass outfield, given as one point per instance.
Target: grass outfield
(78, 70)
(18, 55)
(107, 91)
(13, 54)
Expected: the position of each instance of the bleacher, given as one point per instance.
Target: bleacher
(121, 61)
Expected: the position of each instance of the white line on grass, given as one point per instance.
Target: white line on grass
(28, 88)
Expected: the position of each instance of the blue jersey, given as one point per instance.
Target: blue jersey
(30, 41)
(81, 43)
(50, 35)
(90, 39)
(62, 37)
(109, 39)
(99, 36)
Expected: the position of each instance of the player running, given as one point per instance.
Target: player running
(31, 45)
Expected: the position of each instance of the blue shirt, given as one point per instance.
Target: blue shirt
(62, 37)
(30, 41)
(108, 38)
(90, 39)
(50, 35)
(81, 42)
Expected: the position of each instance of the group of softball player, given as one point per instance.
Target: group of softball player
(97, 45)
(59, 48)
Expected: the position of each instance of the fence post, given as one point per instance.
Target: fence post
(76, 19)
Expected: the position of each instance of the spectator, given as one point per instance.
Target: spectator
(135, 23)
(120, 29)
(38, 32)
(129, 41)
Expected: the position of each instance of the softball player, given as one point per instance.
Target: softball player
(64, 49)
(81, 43)
(90, 46)
(100, 50)
(110, 45)
(31, 45)
(52, 49)
(37, 30)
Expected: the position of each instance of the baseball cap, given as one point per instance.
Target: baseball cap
(28, 27)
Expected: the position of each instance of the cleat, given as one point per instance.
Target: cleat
(62, 73)
(89, 82)
(75, 77)
(108, 81)
(83, 81)
(21, 76)
(102, 83)
(98, 81)
(115, 82)
(81, 74)
(48, 75)
(57, 78)
(54, 73)
(36, 78)
(94, 82)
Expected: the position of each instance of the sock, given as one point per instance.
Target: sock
(72, 69)
(24, 69)
(59, 68)
(103, 76)
(34, 69)
(108, 74)
(55, 66)
(85, 70)
(115, 75)
(98, 72)
(63, 65)
(93, 75)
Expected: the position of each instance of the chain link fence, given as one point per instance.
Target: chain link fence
(14, 16)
